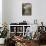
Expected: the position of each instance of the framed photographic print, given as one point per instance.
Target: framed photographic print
(26, 9)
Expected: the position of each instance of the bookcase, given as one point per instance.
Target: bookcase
(18, 29)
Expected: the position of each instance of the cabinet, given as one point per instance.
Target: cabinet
(21, 29)
(18, 29)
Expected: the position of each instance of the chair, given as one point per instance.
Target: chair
(9, 42)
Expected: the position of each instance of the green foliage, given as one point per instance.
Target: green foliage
(4, 33)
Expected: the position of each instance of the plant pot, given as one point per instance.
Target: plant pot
(2, 40)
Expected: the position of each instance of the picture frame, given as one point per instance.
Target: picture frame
(26, 9)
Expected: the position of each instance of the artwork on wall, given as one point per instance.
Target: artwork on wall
(26, 9)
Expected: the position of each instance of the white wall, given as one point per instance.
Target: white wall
(16, 11)
(39, 10)
(0, 13)
(13, 11)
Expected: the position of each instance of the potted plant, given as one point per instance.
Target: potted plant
(3, 34)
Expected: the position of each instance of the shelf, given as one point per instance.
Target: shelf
(17, 28)
(16, 32)
(12, 32)
(19, 25)
(19, 32)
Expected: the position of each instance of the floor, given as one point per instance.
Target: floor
(1, 45)
(33, 45)
(36, 44)
(42, 45)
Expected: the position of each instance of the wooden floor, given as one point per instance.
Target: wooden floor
(34, 44)
(1, 45)
(42, 45)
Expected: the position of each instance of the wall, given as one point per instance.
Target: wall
(0, 13)
(13, 11)
(16, 13)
